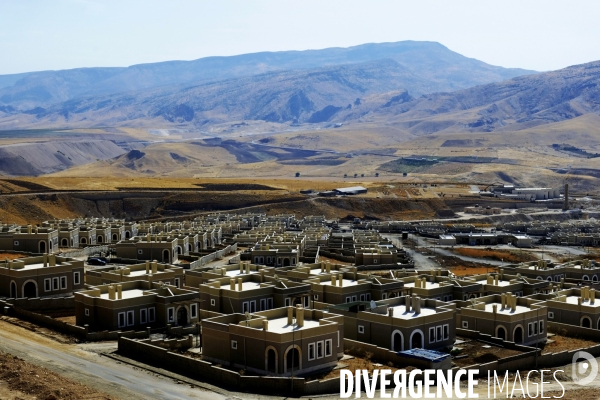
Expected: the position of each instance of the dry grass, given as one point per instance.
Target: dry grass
(11, 256)
(564, 343)
(498, 255)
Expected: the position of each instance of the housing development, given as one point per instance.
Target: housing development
(228, 299)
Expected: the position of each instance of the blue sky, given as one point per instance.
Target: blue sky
(59, 34)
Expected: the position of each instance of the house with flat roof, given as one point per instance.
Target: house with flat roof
(401, 323)
(30, 239)
(517, 319)
(150, 271)
(198, 276)
(40, 276)
(518, 285)
(252, 292)
(574, 306)
(135, 305)
(280, 342)
(150, 247)
(579, 270)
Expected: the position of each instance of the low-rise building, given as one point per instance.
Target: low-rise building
(574, 306)
(284, 341)
(150, 271)
(40, 276)
(30, 239)
(135, 305)
(345, 287)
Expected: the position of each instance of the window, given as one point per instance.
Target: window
(328, 345)
(354, 298)
(362, 297)
(170, 314)
(287, 302)
(253, 306)
(76, 278)
(245, 307)
(535, 328)
(130, 318)
(541, 326)
(54, 283)
(193, 310)
(213, 302)
(87, 312)
(431, 335)
(368, 296)
(438, 333)
(384, 296)
(311, 351)
(263, 304)
(446, 332)
(269, 303)
(63, 282)
(320, 349)
(374, 261)
(177, 282)
(47, 285)
(348, 299)
(316, 297)
(465, 324)
(550, 314)
(306, 301)
(143, 316)
(121, 320)
(151, 314)
(234, 344)
(16, 243)
(361, 329)
(140, 251)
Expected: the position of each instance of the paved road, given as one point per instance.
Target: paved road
(101, 373)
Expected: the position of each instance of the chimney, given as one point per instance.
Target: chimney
(417, 305)
(322, 266)
(579, 301)
(45, 260)
(52, 260)
(290, 315)
(265, 325)
(240, 284)
(333, 280)
(29, 229)
(328, 267)
(495, 308)
(111, 292)
(241, 267)
(119, 292)
(299, 315)
(340, 279)
(496, 280)
(489, 279)
(423, 283)
(514, 303)
(223, 271)
(391, 311)
(10, 264)
(407, 302)
(562, 283)
(247, 267)
(503, 301)
(147, 267)
(592, 296)
(417, 282)
(154, 267)
(501, 273)
(232, 284)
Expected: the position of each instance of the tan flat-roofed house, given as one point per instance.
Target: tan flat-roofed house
(41, 276)
(135, 305)
(150, 271)
(283, 342)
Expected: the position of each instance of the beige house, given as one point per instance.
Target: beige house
(150, 271)
(281, 342)
(575, 306)
(150, 247)
(41, 276)
(401, 323)
(517, 319)
(135, 305)
(30, 239)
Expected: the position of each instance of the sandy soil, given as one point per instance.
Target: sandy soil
(32, 380)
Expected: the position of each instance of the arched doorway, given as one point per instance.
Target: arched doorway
(178, 249)
(293, 360)
(501, 333)
(397, 341)
(586, 322)
(83, 240)
(286, 262)
(518, 334)
(99, 239)
(127, 235)
(64, 243)
(271, 360)
(30, 289)
(114, 237)
(13, 290)
(166, 256)
(42, 246)
(182, 316)
(417, 340)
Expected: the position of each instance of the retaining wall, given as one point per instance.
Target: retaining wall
(213, 256)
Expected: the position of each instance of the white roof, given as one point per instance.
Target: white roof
(351, 189)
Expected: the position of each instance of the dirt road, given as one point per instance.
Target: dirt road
(93, 370)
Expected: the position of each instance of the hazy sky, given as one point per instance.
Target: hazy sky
(60, 34)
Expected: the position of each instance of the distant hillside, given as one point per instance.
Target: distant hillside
(511, 105)
(442, 68)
